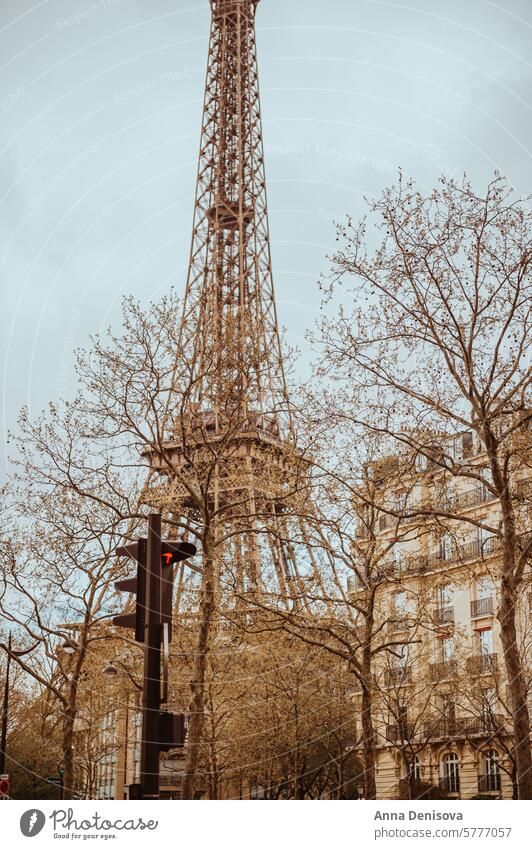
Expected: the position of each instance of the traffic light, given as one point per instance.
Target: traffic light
(171, 730)
(137, 586)
(171, 552)
(153, 588)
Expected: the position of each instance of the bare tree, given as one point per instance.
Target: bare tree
(137, 438)
(431, 342)
(57, 568)
(346, 613)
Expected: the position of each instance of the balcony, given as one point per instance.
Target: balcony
(489, 783)
(523, 487)
(398, 675)
(489, 724)
(471, 498)
(443, 615)
(462, 726)
(442, 671)
(418, 564)
(481, 664)
(441, 727)
(452, 502)
(397, 732)
(482, 607)
(477, 549)
(399, 625)
(474, 550)
(386, 521)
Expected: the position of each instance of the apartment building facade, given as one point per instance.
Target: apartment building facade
(441, 701)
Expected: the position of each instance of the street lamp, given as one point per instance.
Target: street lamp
(111, 672)
(70, 647)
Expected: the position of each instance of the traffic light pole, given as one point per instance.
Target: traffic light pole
(151, 701)
(162, 730)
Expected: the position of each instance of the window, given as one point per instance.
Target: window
(397, 557)
(401, 502)
(491, 762)
(447, 708)
(490, 778)
(486, 541)
(399, 603)
(482, 603)
(351, 583)
(488, 704)
(402, 656)
(446, 547)
(449, 773)
(462, 446)
(257, 791)
(413, 770)
(446, 649)
(485, 641)
(484, 587)
(401, 717)
(444, 595)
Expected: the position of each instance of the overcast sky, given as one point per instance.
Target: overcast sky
(100, 109)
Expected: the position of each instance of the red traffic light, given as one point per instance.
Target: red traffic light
(172, 551)
(4, 786)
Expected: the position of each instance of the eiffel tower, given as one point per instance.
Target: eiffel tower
(234, 427)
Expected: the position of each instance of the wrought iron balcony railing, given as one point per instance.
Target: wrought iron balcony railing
(397, 732)
(399, 624)
(420, 563)
(489, 724)
(444, 614)
(462, 726)
(398, 675)
(441, 727)
(482, 607)
(443, 670)
(481, 663)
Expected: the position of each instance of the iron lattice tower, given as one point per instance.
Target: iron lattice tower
(235, 428)
(229, 291)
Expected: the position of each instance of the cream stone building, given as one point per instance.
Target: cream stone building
(441, 707)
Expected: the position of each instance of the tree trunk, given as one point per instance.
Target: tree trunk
(518, 691)
(197, 686)
(68, 755)
(511, 579)
(368, 745)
